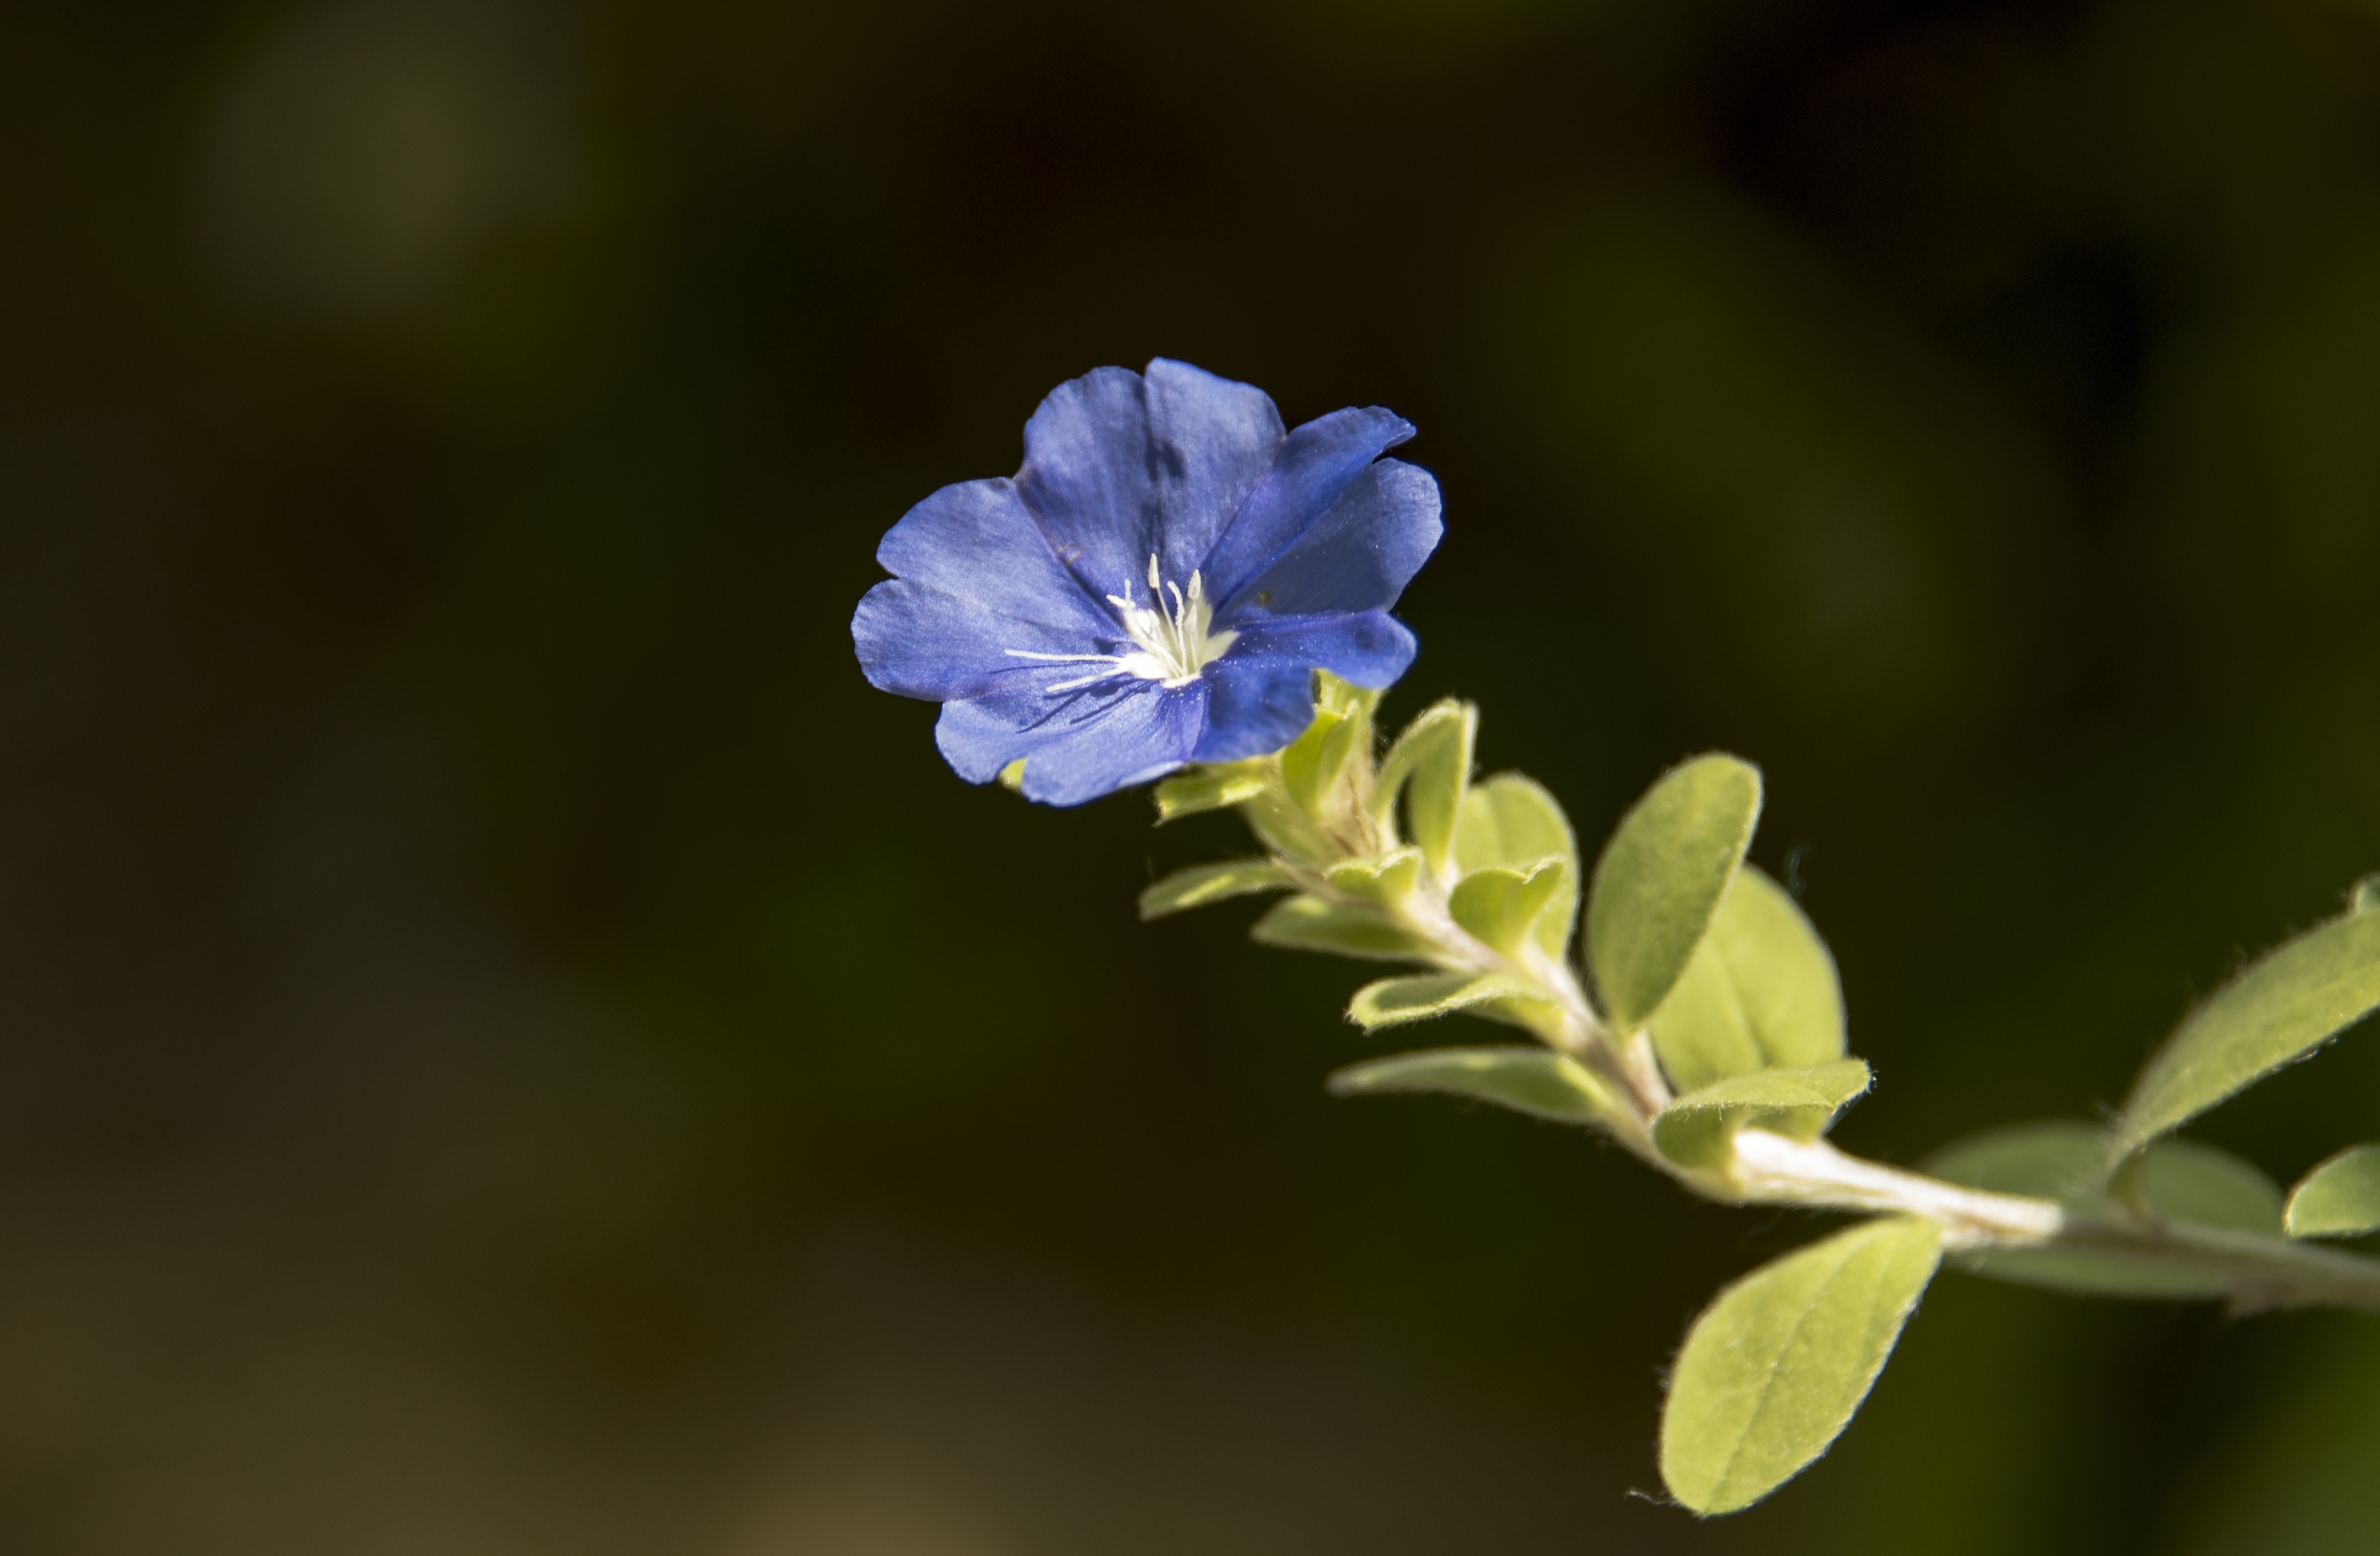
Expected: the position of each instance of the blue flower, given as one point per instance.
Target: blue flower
(1156, 586)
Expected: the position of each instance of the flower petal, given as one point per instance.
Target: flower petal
(1358, 556)
(924, 643)
(1264, 687)
(1077, 745)
(1315, 466)
(973, 577)
(1020, 715)
(1119, 468)
(1255, 706)
(1370, 647)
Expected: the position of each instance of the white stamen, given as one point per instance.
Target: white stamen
(1079, 681)
(1170, 647)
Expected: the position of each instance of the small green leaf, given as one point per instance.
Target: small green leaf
(2340, 1197)
(2367, 895)
(1344, 697)
(2190, 1181)
(1530, 1080)
(1775, 1369)
(1394, 1000)
(2180, 1180)
(2054, 1160)
(1431, 759)
(1415, 740)
(1317, 759)
(1504, 907)
(1309, 923)
(1286, 832)
(2097, 1274)
(1510, 819)
(1386, 880)
(1201, 884)
(1760, 991)
(1209, 788)
(1694, 1128)
(2280, 1009)
(1661, 878)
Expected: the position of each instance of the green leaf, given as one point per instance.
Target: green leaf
(2280, 1009)
(1661, 878)
(1694, 1128)
(2098, 1274)
(1209, 788)
(1345, 698)
(2190, 1181)
(1201, 884)
(1505, 908)
(2340, 1197)
(1775, 1369)
(2054, 1160)
(1317, 759)
(1394, 1000)
(1432, 760)
(1309, 923)
(1760, 991)
(1388, 879)
(1530, 1080)
(2367, 895)
(2180, 1180)
(1510, 819)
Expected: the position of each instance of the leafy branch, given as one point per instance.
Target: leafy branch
(1712, 1048)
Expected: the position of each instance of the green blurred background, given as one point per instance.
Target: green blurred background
(508, 1045)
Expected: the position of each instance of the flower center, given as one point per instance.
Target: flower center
(1172, 644)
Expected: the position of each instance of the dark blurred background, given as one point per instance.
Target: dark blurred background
(508, 1045)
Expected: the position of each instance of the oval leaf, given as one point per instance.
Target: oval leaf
(1512, 821)
(2190, 1181)
(1308, 923)
(2339, 1199)
(1502, 906)
(2181, 1180)
(1209, 788)
(2281, 1009)
(1694, 1128)
(1760, 991)
(1661, 878)
(1531, 1080)
(1395, 1001)
(1201, 884)
(1384, 879)
(1431, 760)
(1775, 1369)
(1315, 760)
(1345, 698)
